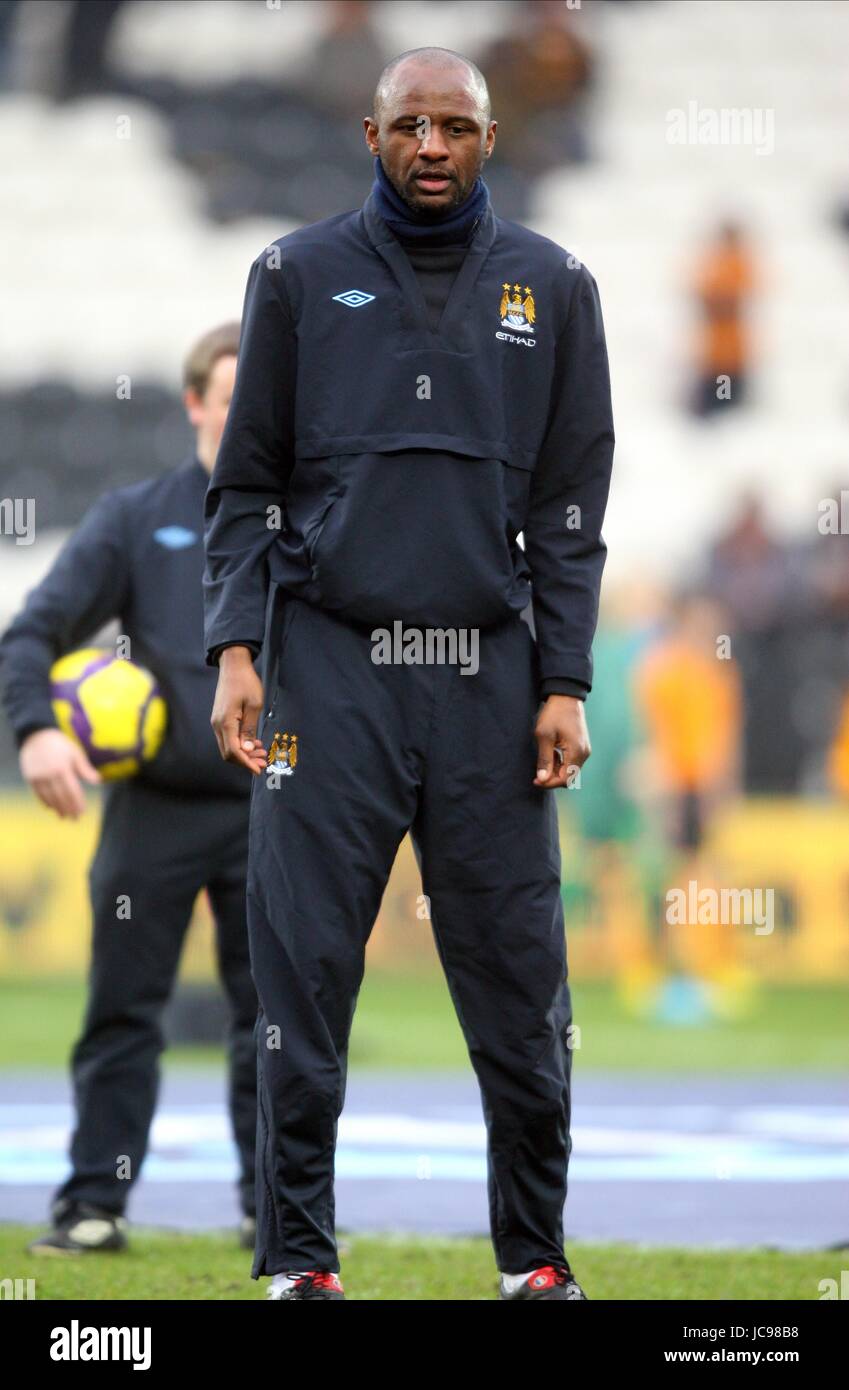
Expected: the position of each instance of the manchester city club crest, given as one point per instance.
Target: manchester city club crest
(515, 312)
(283, 754)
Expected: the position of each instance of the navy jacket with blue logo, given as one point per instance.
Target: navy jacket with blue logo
(383, 470)
(136, 556)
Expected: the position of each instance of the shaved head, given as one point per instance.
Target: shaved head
(440, 60)
(431, 128)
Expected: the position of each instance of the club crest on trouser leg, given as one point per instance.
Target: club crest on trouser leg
(283, 754)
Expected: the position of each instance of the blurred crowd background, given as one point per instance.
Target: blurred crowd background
(151, 149)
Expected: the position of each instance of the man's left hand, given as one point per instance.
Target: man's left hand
(561, 724)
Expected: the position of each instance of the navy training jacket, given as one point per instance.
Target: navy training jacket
(383, 470)
(137, 556)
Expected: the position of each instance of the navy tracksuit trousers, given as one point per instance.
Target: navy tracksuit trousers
(383, 749)
(160, 848)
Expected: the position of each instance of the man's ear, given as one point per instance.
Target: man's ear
(193, 406)
(372, 131)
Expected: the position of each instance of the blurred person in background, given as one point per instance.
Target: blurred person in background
(827, 573)
(343, 61)
(178, 827)
(723, 284)
(765, 587)
(538, 74)
(838, 753)
(688, 695)
(8, 17)
(85, 68)
(73, 37)
(829, 564)
(749, 570)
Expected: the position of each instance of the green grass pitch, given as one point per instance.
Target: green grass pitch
(408, 1022)
(161, 1265)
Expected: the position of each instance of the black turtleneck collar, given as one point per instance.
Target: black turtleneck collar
(456, 228)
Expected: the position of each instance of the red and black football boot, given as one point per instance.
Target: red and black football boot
(549, 1282)
(312, 1283)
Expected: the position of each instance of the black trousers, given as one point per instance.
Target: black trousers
(383, 749)
(157, 850)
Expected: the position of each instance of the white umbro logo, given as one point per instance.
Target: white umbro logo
(354, 299)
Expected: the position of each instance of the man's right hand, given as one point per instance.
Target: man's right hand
(53, 764)
(237, 709)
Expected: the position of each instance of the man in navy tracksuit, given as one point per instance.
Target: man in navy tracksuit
(419, 383)
(180, 826)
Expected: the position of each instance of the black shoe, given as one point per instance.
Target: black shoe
(549, 1282)
(247, 1232)
(314, 1284)
(79, 1228)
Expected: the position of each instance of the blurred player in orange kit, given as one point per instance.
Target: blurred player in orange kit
(723, 285)
(691, 702)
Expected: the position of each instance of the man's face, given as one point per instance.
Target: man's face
(208, 413)
(432, 139)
